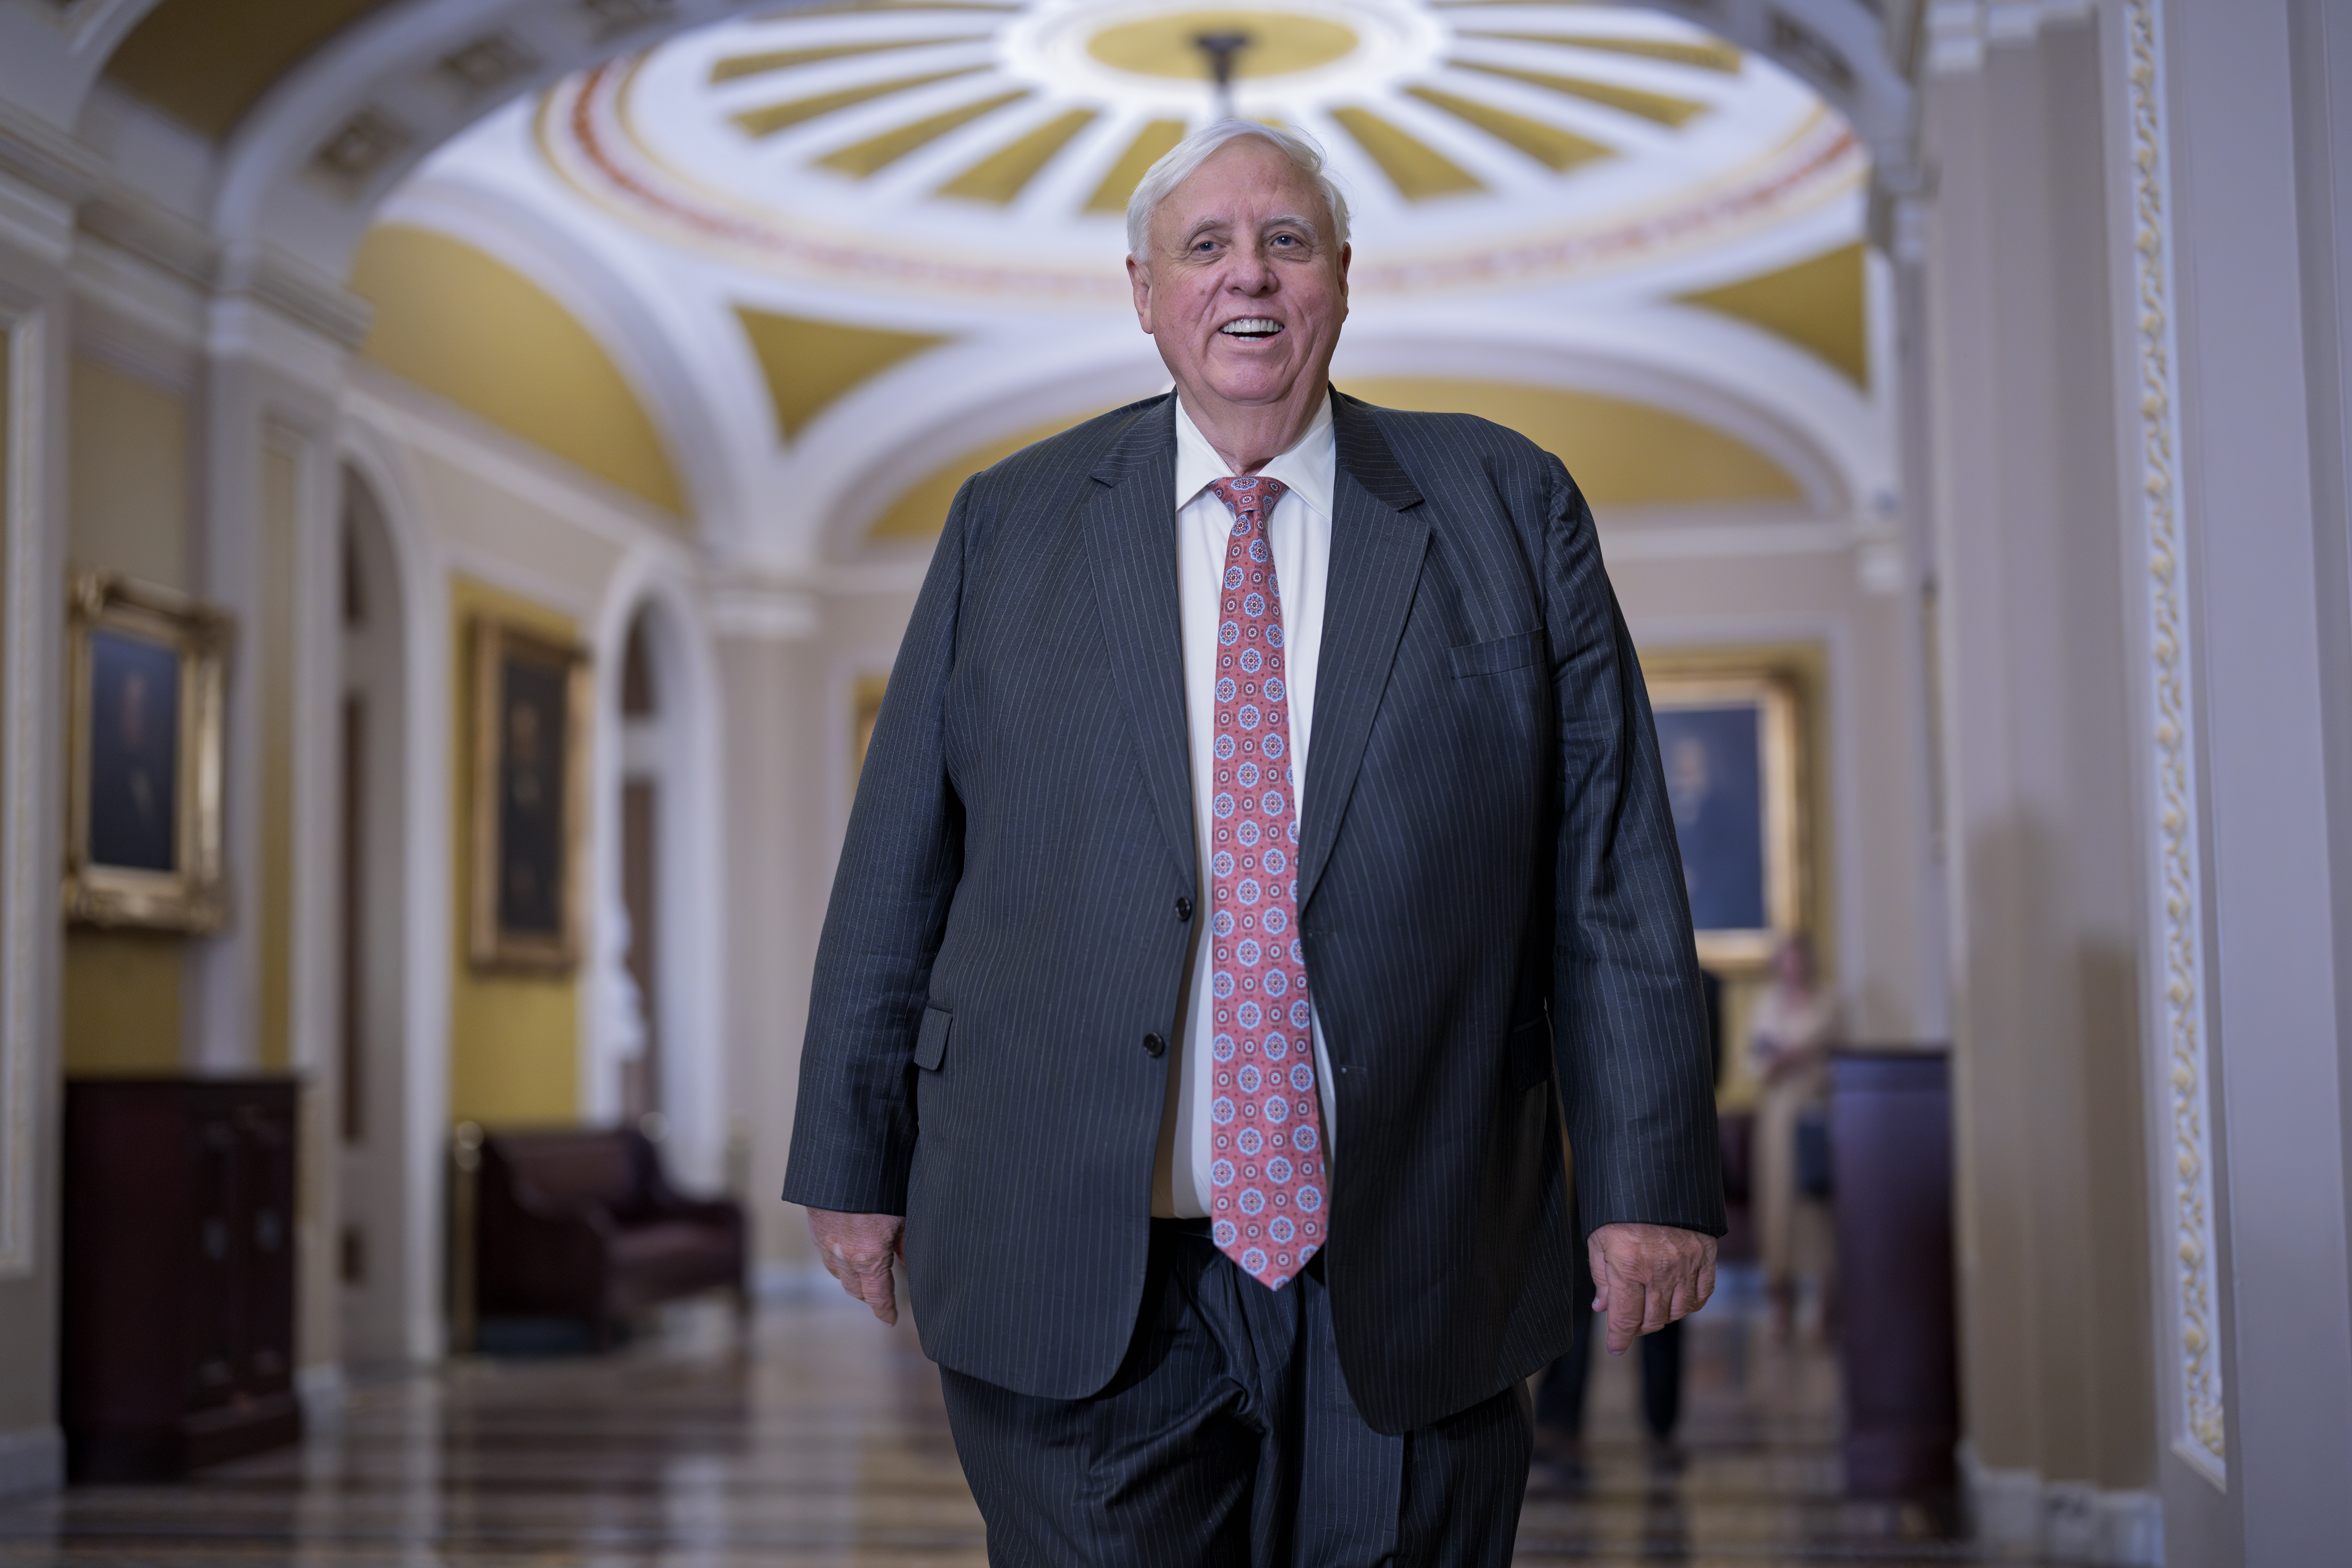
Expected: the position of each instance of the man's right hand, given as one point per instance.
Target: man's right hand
(857, 1249)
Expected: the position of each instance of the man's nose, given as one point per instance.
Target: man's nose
(1251, 273)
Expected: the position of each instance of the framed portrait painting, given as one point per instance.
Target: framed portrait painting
(1729, 743)
(530, 798)
(143, 785)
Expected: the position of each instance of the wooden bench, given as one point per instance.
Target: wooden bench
(583, 1224)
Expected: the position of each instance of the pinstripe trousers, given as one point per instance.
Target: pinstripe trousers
(1228, 1439)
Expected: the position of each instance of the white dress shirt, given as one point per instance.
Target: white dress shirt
(1300, 534)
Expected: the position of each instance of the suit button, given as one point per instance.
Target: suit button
(1184, 909)
(1153, 1046)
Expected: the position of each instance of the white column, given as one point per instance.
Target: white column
(778, 854)
(36, 204)
(2039, 854)
(268, 548)
(2256, 92)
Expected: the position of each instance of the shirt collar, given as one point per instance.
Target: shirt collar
(1308, 468)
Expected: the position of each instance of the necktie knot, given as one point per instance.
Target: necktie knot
(1252, 497)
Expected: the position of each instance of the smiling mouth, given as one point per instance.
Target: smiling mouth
(1255, 329)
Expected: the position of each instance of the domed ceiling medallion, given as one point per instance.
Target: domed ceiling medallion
(988, 150)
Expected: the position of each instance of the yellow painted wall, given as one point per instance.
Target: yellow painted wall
(127, 473)
(127, 468)
(514, 1038)
(121, 1003)
(922, 510)
(470, 329)
(1621, 453)
(809, 364)
(1818, 304)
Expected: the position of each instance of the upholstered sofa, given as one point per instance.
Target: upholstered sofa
(583, 1224)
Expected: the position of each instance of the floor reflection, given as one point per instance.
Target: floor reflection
(1752, 1475)
(821, 1440)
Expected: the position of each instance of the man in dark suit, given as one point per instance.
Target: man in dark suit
(1221, 1095)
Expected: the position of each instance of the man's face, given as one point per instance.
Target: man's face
(1245, 287)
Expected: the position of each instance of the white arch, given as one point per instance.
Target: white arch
(692, 1021)
(421, 587)
(640, 325)
(1830, 436)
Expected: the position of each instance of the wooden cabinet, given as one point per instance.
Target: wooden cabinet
(178, 1329)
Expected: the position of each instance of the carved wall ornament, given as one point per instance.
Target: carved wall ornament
(2175, 825)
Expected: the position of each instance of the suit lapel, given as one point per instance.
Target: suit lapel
(1378, 542)
(1130, 525)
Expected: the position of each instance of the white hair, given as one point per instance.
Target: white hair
(1178, 163)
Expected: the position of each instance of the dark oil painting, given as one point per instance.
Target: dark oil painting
(1714, 779)
(134, 753)
(532, 833)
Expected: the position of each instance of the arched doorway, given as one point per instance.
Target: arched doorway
(375, 1261)
(661, 1063)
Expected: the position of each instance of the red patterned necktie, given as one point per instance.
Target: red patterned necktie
(1268, 1168)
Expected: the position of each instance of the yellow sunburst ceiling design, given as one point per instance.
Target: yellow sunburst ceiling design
(992, 148)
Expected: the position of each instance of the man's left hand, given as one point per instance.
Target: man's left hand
(1646, 1276)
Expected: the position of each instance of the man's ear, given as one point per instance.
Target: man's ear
(1139, 276)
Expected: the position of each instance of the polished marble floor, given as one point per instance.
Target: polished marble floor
(819, 1439)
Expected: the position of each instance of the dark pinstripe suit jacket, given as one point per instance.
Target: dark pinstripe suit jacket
(1489, 890)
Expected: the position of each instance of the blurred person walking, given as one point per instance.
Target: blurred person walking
(1789, 1039)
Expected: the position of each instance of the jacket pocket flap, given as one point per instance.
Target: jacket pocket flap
(931, 1045)
(1514, 652)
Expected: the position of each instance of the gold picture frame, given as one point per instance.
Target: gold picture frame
(1732, 746)
(529, 799)
(144, 680)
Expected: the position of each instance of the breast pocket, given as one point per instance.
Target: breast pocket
(1514, 652)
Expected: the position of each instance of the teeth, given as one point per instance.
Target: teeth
(1250, 326)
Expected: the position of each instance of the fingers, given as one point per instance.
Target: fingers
(867, 1279)
(1628, 1313)
(857, 1249)
(879, 1292)
(1646, 1277)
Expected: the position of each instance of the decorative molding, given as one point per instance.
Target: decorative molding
(43, 156)
(2174, 822)
(35, 224)
(154, 233)
(763, 611)
(1636, 533)
(1959, 31)
(299, 293)
(2015, 1513)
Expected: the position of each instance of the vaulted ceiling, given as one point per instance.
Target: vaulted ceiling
(794, 267)
(860, 250)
